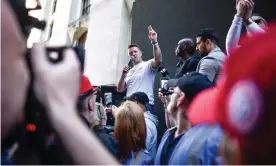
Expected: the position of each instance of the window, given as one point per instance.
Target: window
(85, 7)
(51, 29)
(54, 6)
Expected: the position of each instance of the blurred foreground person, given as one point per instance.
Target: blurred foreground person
(130, 131)
(244, 103)
(94, 116)
(188, 144)
(56, 87)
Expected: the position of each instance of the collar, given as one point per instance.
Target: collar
(217, 49)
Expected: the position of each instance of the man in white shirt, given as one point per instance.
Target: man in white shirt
(253, 24)
(141, 77)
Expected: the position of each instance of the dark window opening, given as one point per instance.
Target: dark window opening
(85, 7)
(54, 6)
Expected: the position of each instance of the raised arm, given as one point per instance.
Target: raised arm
(234, 33)
(157, 54)
(250, 25)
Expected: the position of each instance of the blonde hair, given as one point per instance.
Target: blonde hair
(130, 129)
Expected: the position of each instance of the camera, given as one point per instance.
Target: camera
(165, 89)
(35, 112)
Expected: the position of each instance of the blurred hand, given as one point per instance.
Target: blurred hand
(152, 34)
(241, 8)
(56, 83)
(125, 70)
(164, 99)
(112, 109)
(250, 8)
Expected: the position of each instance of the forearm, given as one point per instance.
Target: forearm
(80, 143)
(170, 122)
(157, 54)
(252, 27)
(233, 35)
(121, 84)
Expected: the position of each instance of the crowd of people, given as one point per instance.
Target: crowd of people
(218, 109)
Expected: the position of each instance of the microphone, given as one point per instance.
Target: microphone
(164, 72)
(131, 62)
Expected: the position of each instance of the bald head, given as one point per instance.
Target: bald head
(185, 46)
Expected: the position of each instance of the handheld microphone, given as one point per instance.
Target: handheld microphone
(164, 72)
(131, 62)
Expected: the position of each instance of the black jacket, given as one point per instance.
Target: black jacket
(187, 66)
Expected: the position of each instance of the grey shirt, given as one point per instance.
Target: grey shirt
(211, 64)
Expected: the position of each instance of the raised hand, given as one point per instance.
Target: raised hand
(250, 8)
(152, 34)
(241, 8)
(56, 83)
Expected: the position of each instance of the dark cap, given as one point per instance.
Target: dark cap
(193, 83)
(140, 97)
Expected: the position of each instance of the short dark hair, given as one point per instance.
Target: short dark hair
(133, 45)
(209, 33)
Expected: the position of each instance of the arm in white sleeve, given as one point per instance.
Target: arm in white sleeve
(234, 34)
(254, 28)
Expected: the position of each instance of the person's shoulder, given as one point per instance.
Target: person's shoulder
(209, 133)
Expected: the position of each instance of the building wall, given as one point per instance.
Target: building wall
(109, 31)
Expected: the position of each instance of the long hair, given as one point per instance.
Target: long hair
(130, 129)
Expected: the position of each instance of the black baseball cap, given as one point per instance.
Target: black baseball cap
(192, 84)
(140, 97)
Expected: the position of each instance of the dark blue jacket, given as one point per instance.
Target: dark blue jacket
(198, 146)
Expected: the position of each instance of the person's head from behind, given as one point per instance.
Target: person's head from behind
(185, 48)
(244, 103)
(259, 20)
(139, 98)
(130, 129)
(87, 104)
(14, 72)
(135, 52)
(187, 87)
(207, 39)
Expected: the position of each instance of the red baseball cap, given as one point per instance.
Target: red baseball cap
(86, 87)
(244, 103)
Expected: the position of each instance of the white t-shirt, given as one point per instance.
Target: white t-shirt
(141, 79)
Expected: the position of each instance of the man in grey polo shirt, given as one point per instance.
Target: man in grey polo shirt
(141, 77)
(213, 58)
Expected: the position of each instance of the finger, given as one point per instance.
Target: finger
(251, 2)
(150, 28)
(39, 56)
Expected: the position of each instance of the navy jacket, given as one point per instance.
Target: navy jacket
(198, 146)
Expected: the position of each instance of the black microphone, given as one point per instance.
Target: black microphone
(131, 62)
(164, 72)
